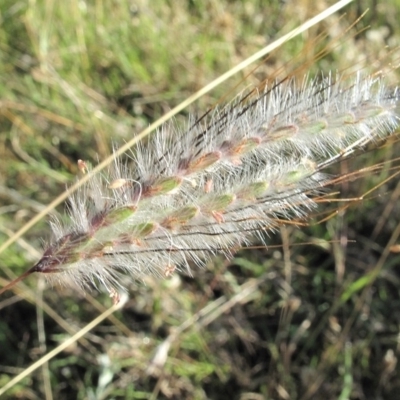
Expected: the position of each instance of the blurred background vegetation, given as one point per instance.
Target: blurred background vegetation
(313, 316)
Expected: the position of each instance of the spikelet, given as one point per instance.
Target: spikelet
(189, 194)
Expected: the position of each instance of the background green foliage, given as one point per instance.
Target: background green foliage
(317, 321)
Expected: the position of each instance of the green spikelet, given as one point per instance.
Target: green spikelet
(253, 191)
(163, 186)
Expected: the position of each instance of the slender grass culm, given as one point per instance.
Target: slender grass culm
(264, 162)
